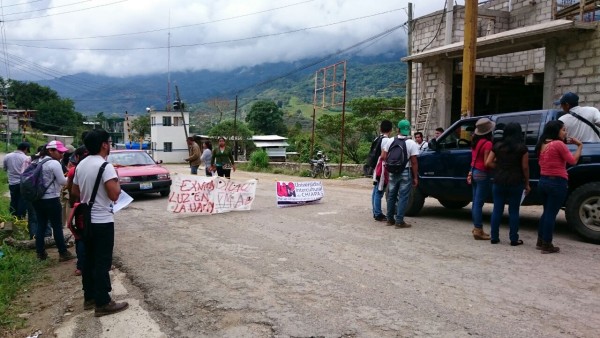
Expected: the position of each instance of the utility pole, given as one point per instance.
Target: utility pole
(408, 103)
(235, 144)
(181, 110)
(469, 59)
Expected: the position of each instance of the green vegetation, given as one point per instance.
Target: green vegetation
(259, 159)
(18, 269)
(266, 118)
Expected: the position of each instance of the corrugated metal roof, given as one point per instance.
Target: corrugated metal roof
(262, 144)
(268, 138)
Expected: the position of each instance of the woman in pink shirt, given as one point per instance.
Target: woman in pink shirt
(479, 176)
(553, 157)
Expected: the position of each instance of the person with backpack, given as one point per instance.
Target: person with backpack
(47, 207)
(380, 176)
(479, 176)
(582, 123)
(400, 157)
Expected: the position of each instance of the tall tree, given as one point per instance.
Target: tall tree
(265, 117)
(141, 126)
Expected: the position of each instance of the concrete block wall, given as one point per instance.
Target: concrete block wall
(577, 66)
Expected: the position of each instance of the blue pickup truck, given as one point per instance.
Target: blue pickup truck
(443, 170)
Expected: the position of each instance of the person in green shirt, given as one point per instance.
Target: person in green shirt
(222, 159)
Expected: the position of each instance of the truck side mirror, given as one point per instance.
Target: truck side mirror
(432, 144)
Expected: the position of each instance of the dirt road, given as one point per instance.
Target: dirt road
(329, 270)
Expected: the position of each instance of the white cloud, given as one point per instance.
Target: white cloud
(225, 20)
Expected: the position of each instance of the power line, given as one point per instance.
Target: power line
(47, 8)
(167, 28)
(213, 42)
(21, 4)
(68, 12)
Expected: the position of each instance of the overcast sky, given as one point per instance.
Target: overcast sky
(51, 38)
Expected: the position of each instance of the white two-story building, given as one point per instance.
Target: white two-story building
(167, 131)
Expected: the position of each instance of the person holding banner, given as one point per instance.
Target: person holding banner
(222, 159)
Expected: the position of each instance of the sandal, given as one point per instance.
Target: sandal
(518, 242)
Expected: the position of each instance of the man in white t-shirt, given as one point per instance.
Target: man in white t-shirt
(400, 183)
(577, 128)
(100, 241)
(423, 145)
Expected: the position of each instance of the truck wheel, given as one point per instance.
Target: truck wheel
(415, 202)
(454, 204)
(583, 211)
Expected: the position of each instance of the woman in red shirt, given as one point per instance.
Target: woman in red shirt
(553, 157)
(479, 176)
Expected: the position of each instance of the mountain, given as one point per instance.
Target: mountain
(381, 75)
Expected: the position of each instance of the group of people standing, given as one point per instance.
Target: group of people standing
(500, 167)
(75, 171)
(217, 162)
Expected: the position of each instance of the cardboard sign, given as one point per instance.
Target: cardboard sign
(291, 194)
(210, 195)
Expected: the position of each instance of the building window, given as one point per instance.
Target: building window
(168, 147)
(166, 121)
(177, 121)
(153, 121)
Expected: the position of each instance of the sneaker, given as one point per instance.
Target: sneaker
(66, 256)
(381, 218)
(110, 308)
(89, 304)
(403, 225)
(390, 222)
(42, 256)
(548, 248)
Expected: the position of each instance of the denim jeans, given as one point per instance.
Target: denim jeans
(376, 197)
(510, 194)
(482, 185)
(194, 169)
(18, 206)
(80, 251)
(49, 210)
(98, 259)
(399, 186)
(554, 192)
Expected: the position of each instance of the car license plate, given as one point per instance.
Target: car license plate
(145, 185)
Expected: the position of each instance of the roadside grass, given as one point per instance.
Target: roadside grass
(302, 173)
(18, 268)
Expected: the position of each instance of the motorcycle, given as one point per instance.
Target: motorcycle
(320, 167)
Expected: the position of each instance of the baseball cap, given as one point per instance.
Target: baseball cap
(404, 127)
(57, 145)
(571, 98)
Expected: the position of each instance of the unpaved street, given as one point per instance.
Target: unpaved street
(329, 270)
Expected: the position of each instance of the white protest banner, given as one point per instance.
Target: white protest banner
(291, 194)
(210, 195)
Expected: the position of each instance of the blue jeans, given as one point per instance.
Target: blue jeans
(510, 194)
(376, 197)
(554, 192)
(49, 210)
(18, 206)
(98, 259)
(194, 169)
(399, 186)
(482, 185)
(80, 251)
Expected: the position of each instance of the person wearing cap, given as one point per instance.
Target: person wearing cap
(575, 114)
(48, 208)
(479, 176)
(13, 165)
(399, 185)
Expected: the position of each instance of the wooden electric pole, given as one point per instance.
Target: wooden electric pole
(469, 59)
(409, 74)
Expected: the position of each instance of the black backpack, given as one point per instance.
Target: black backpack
(375, 151)
(397, 156)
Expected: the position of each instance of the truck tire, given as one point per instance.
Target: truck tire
(415, 202)
(583, 211)
(454, 204)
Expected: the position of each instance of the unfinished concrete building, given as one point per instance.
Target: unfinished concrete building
(529, 52)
